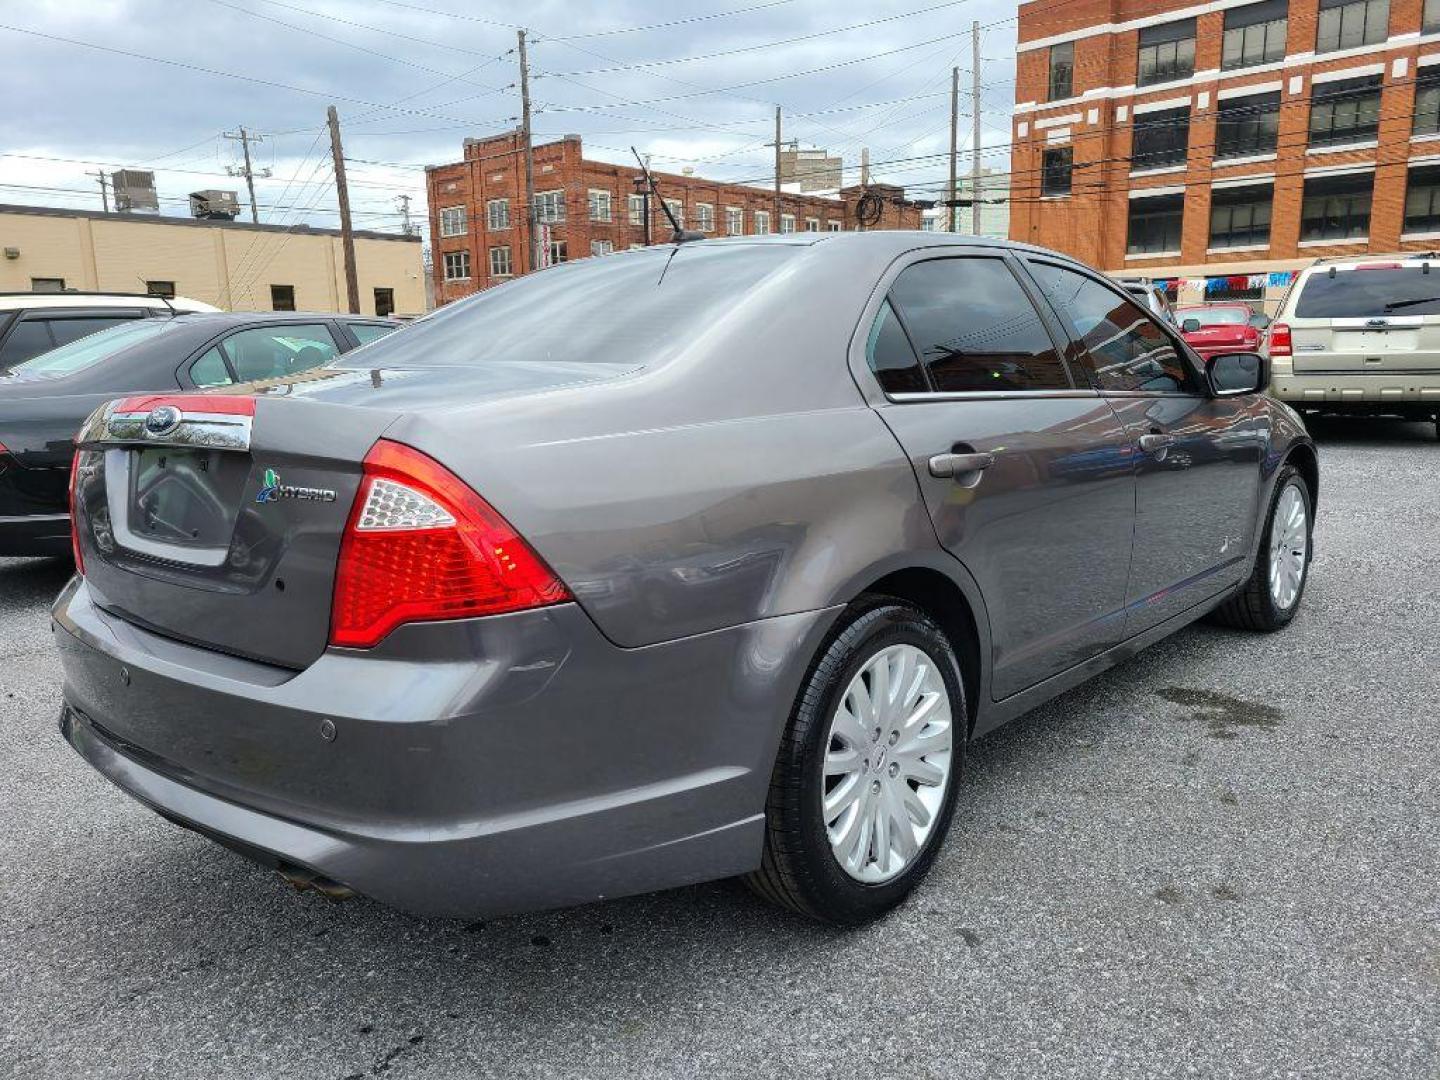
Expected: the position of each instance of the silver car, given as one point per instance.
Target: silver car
(694, 561)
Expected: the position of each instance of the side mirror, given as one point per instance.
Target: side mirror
(1236, 373)
(1190, 325)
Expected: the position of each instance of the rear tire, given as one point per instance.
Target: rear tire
(851, 865)
(1265, 602)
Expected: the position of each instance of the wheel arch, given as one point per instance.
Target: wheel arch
(1302, 455)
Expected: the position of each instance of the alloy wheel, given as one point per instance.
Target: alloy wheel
(1289, 547)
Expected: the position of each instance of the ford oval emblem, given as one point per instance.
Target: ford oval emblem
(163, 420)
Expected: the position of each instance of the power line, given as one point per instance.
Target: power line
(671, 23)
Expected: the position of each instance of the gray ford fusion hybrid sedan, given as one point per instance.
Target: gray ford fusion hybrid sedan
(700, 560)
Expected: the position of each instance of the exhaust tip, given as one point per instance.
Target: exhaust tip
(302, 880)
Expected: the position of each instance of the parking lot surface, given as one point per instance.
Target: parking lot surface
(1220, 859)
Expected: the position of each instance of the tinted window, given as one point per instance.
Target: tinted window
(890, 356)
(1125, 349)
(273, 352)
(93, 348)
(29, 338)
(975, 328)
(68, 330)
(368, 332)
(210, 370)
(631, 307)
(1365, 294)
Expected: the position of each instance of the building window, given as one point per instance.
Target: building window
(1344, 112)
(457, 265)
(559, 252)
(787, 223)
(1161, 138)
(762, 222)
(1056, 168)
(705, 217)
(282, 297)
(599, 205)
(497, 214)
(1427, 101)
(1337, 207)
(601, 247)
(452, 221)
(549, 206)
(1349, 24)
(1247, 125)
(1155, 224)
(1430, 20)
(835, 226)
(734, 221)
(1240, 217)
(1231, 292)
(1166, 52)
(47, 284)
(500, 264)
(1061, 83)
(636, 204)
(384, 303)
(812, 224)
(1254, 34)
(1422, 200)
(160, 288)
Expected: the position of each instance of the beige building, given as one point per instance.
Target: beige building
(231, 264)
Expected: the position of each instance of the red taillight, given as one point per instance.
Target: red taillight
(421, 546)
(74, 518)
(1279, 339)
(223, 404)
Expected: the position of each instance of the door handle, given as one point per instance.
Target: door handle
(1156, 441)
(958, 466)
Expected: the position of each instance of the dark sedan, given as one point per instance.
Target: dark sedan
(44, 400)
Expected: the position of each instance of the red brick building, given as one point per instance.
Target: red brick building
(1176, 139)
(480, 235)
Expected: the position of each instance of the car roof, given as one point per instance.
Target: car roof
(13, 301)
(226, 318)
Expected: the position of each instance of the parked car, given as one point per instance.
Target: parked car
(1151, 297)
(1211, 329)
(44, 400)
(32, 323)
(693, 561)
(1361, 336)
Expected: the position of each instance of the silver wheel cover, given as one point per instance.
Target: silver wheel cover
(1289, 547)
(887, 763)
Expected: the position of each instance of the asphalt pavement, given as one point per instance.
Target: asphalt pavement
(1220, 859)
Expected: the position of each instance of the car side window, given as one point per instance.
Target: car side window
(890, 356)
(275, 352)
(975, 328)
(31, 337)
(68, 330)
(366, 332)
(1124, 348)
(210, 370)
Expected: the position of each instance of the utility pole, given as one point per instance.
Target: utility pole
(975, 136)
(245, 139)
(404, 203)
(532, 236)
(342, 192)
(775, 227)
(103, 177)
(954, 146)
(864, 166)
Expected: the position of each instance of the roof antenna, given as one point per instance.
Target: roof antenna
(157, 296)
(681, 235)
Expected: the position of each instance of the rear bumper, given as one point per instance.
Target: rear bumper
(547, 768)
(35, 534)
(1403, 392)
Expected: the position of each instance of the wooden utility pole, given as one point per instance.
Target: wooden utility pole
(103, 177)
(245, 139)
(864, 166)
(975, 135)
(775, 225)
(532, 234)
(347, 238)
(954, 146)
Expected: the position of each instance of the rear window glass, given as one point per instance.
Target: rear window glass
(1363, 294)
(88, 351)
(1215, 316)
(643, 308)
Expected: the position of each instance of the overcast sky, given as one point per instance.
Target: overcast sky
(156, 83)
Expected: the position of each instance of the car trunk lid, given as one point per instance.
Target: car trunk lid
(1368, 318)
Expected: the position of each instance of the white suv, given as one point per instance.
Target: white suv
(1361, 335)
(32, 323)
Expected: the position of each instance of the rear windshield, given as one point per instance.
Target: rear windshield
(90, 350)
(1227, 316)
(1361, 294)
(641, 307)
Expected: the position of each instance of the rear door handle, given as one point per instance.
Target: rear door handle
(1156, 441)
(957, 466)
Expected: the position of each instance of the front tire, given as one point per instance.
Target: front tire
(865, 781)
(1270, 597)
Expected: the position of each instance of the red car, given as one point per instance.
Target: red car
(1221, 328)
